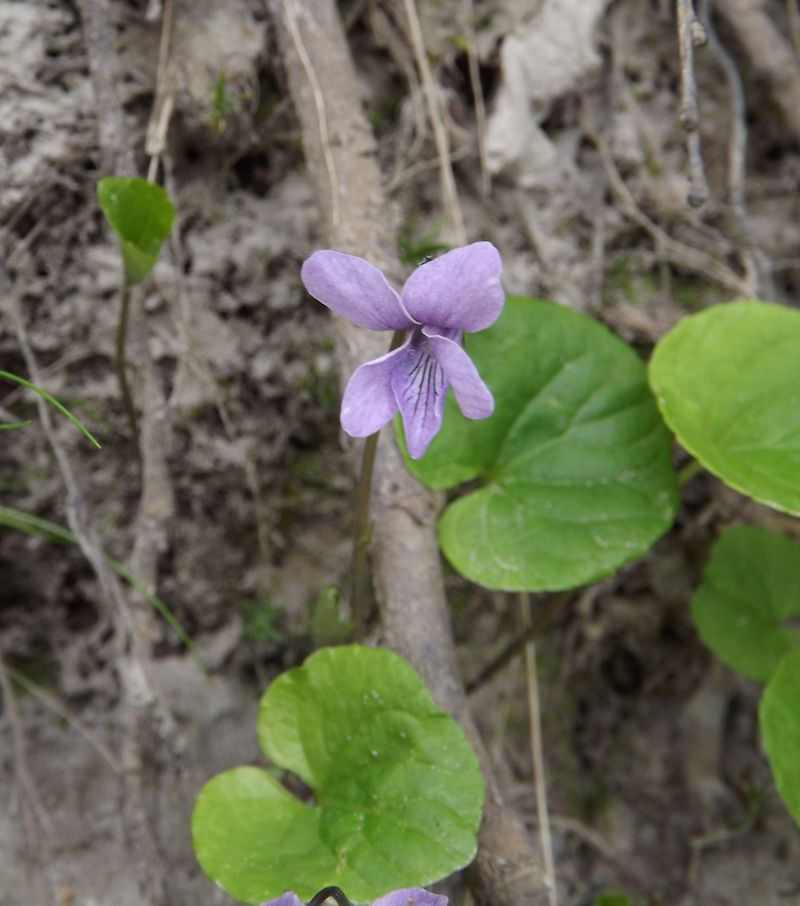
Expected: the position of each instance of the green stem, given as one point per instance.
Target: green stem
(122, 373)
(362, 532)
(688, 471)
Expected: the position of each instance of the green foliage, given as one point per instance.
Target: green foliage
(260, 620)
(613, 898)
(575, 463)
(750, 588)
(397, 789)
(50, 399)
(779, 715)
(412, 250)
(329, 625)
(727, 383)
(141, 214)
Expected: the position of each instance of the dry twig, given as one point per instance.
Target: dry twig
(449, 190)
(688, 38)
(406, 565)
(537, 752)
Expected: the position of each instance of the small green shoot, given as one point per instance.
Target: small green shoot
(50, 531)
(329, 625)
(53, 402)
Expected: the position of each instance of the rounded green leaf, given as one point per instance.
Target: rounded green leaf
(728, 384)
(575, 462)
(141, 214)
(779, 715)
(397, 789)
(750, 587)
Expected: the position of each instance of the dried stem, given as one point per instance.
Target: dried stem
(437, 123)
(477, 94)
(537, 752)
(688, 34)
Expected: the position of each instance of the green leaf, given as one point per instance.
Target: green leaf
(141, 214)
(575, 463)
(779, 716)
(397, 789)
(750, 587)
(728, 384)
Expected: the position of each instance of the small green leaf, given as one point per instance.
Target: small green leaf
(575, 463)
(728, 384)
(750, 587)
(397, 789)
(779, 716)
(141, 214)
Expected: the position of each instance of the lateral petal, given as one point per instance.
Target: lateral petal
(412, 896)
(460, 290)
(473, 396)
(369, 401)
(289, 898)
(354, 289)
(420, 388)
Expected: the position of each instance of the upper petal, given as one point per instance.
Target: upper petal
(460, 290)
(420, 388)
(369, 401)
(354, 289)
(289, 898)
(474, 398)
(412, 896)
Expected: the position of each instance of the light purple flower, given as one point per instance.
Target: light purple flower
(458, 293)
(410, 896)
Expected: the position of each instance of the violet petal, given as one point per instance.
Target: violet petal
(420, 388)
(369, 400)
(285, 899)
(473, 396)
(460, 290)
(413, 896)
(354, 289)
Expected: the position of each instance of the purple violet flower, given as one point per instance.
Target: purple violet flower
(410, 896)
(457, 293)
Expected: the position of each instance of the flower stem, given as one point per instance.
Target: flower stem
(122, 375)
(329, 892)
(689, 471)
(362, 533)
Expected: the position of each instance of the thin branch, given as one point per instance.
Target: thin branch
(537, 752)
(477, 94)
(52, 704)
(319, 102)
(677, 252)
(437, 123)
(688, 38)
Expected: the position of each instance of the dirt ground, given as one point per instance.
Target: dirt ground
(563, 122)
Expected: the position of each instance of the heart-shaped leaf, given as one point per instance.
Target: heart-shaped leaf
(141, 214)
(779, 716)
(728, 384)
(397, 789)
(750, 587)
(575, 462)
